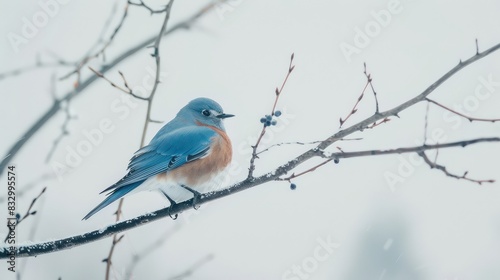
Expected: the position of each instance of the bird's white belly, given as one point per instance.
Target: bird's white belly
(174, 190)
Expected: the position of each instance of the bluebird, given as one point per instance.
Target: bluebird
(185, 154)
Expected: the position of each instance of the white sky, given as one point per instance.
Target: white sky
(427, 226)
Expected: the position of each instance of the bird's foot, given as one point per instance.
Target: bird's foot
(196, 197)
(172, 204)
(174, 216)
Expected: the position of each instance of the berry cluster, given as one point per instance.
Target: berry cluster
(268, 120)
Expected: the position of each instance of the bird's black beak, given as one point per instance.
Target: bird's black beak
(224, 116)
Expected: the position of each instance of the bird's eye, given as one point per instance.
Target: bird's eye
(206, 112)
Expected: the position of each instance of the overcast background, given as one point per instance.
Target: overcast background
(423, 225)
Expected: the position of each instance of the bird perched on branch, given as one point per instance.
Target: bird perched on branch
(187, 152)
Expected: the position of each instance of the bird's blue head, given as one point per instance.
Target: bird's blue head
(204, 111)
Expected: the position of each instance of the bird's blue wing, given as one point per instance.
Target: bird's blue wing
(167, 152)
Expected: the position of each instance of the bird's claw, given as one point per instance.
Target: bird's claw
(196, 197)
(175, 216)
(195, 204)
(172, 203)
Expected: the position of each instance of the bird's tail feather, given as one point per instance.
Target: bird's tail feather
(113, 196)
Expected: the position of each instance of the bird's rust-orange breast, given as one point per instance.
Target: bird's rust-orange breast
(202, 170)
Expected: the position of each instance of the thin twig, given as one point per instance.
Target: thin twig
(31, 236)
(156, 55)
(375, 124)
(101, 51)
(125, 81)
(277, 92)
(288, 143)
(126, 90)
(293, 176)
(471, 119)
(302, 144)
(151, 10)
(426, 122)
(102, 35)
(355, 107)
(115, 241)
(370, 81)
(433, 165)
(28, 212)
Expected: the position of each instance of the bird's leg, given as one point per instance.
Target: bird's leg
(196, 196)
(172, 203)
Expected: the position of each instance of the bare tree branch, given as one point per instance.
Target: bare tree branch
(77, 240)
(414, 149)
(274, 175)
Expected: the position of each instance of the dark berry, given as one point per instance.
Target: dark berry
(269, 117)
(336, 160)
(268, 123)
(263, 120)
(277, 113)
(273, 122)
(293, 186)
